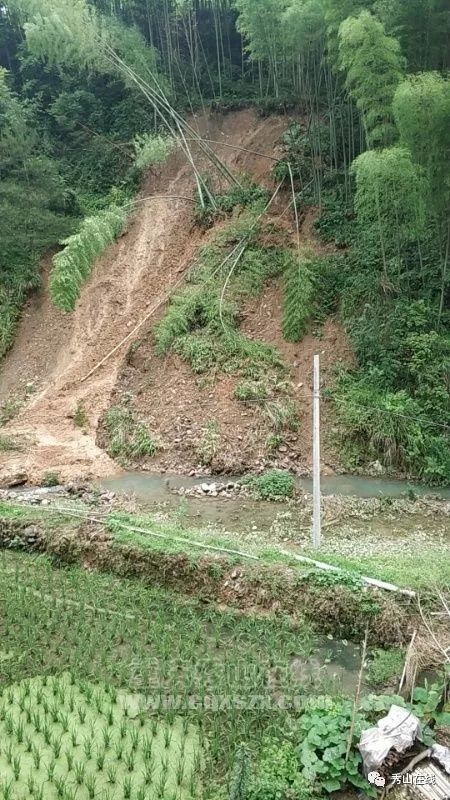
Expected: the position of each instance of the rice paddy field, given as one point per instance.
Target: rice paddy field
(115, 690)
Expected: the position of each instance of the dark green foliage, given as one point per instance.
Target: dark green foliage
(29, 181)
(388, 289)
(336, 223)
(392, 427)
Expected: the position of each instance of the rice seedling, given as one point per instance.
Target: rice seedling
(69, 759)
(36, 753)
(111, 774)
(99, 732)
(106, 735)
(51, 766)
(79, 770)
(87, 747)
(91, 786)
(127, 787)
(16, 766)
(100, 760)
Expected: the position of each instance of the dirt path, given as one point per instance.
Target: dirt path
(55, 350)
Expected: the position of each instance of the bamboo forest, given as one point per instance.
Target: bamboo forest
(224, 399)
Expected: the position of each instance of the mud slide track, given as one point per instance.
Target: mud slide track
(55, 350)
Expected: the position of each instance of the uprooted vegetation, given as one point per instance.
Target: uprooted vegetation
(202, 322)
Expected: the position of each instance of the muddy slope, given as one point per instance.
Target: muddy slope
(55, 351)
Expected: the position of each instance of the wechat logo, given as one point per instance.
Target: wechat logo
(376, 779)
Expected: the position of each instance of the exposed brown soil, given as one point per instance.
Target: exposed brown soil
(56, 351)
(178, 405)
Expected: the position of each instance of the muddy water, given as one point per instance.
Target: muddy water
(335, 664)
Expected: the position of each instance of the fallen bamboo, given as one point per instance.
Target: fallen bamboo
(236, 147)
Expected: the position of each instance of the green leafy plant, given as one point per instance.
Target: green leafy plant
(385, 665)
(325, 729)
(51, 479)
(298, 300)
(272, 485)
(151, 150)
(209, 442)
(80, 417)
(277, 774)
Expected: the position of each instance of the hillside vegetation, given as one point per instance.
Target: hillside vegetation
(93, 95)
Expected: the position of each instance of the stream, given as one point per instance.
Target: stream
(242, 514)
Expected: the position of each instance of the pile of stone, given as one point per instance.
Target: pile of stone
(225, 490)
(46, 495)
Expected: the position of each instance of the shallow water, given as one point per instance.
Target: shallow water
(151, 487)
(334, 661)
(242, 513)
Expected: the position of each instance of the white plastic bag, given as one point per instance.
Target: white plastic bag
(397, 731)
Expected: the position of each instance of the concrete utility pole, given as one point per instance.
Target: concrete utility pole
(317, 523)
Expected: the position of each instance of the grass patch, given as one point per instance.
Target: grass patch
(385, 665)
(128, 439)
(417, 570)
(276, 484)
(50, 479)
(251, 391)
(80, 417)
(9, 408)
(8, 443)
(282, 414)
(209, 443)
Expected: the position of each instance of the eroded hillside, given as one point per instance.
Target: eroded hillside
(54, 351)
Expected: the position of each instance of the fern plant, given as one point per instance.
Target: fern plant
(298, 300)
(73, 265)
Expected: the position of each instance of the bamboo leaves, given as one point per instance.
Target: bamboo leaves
(73, 265)
(374, 66)
(390, 204)
(298, 299)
